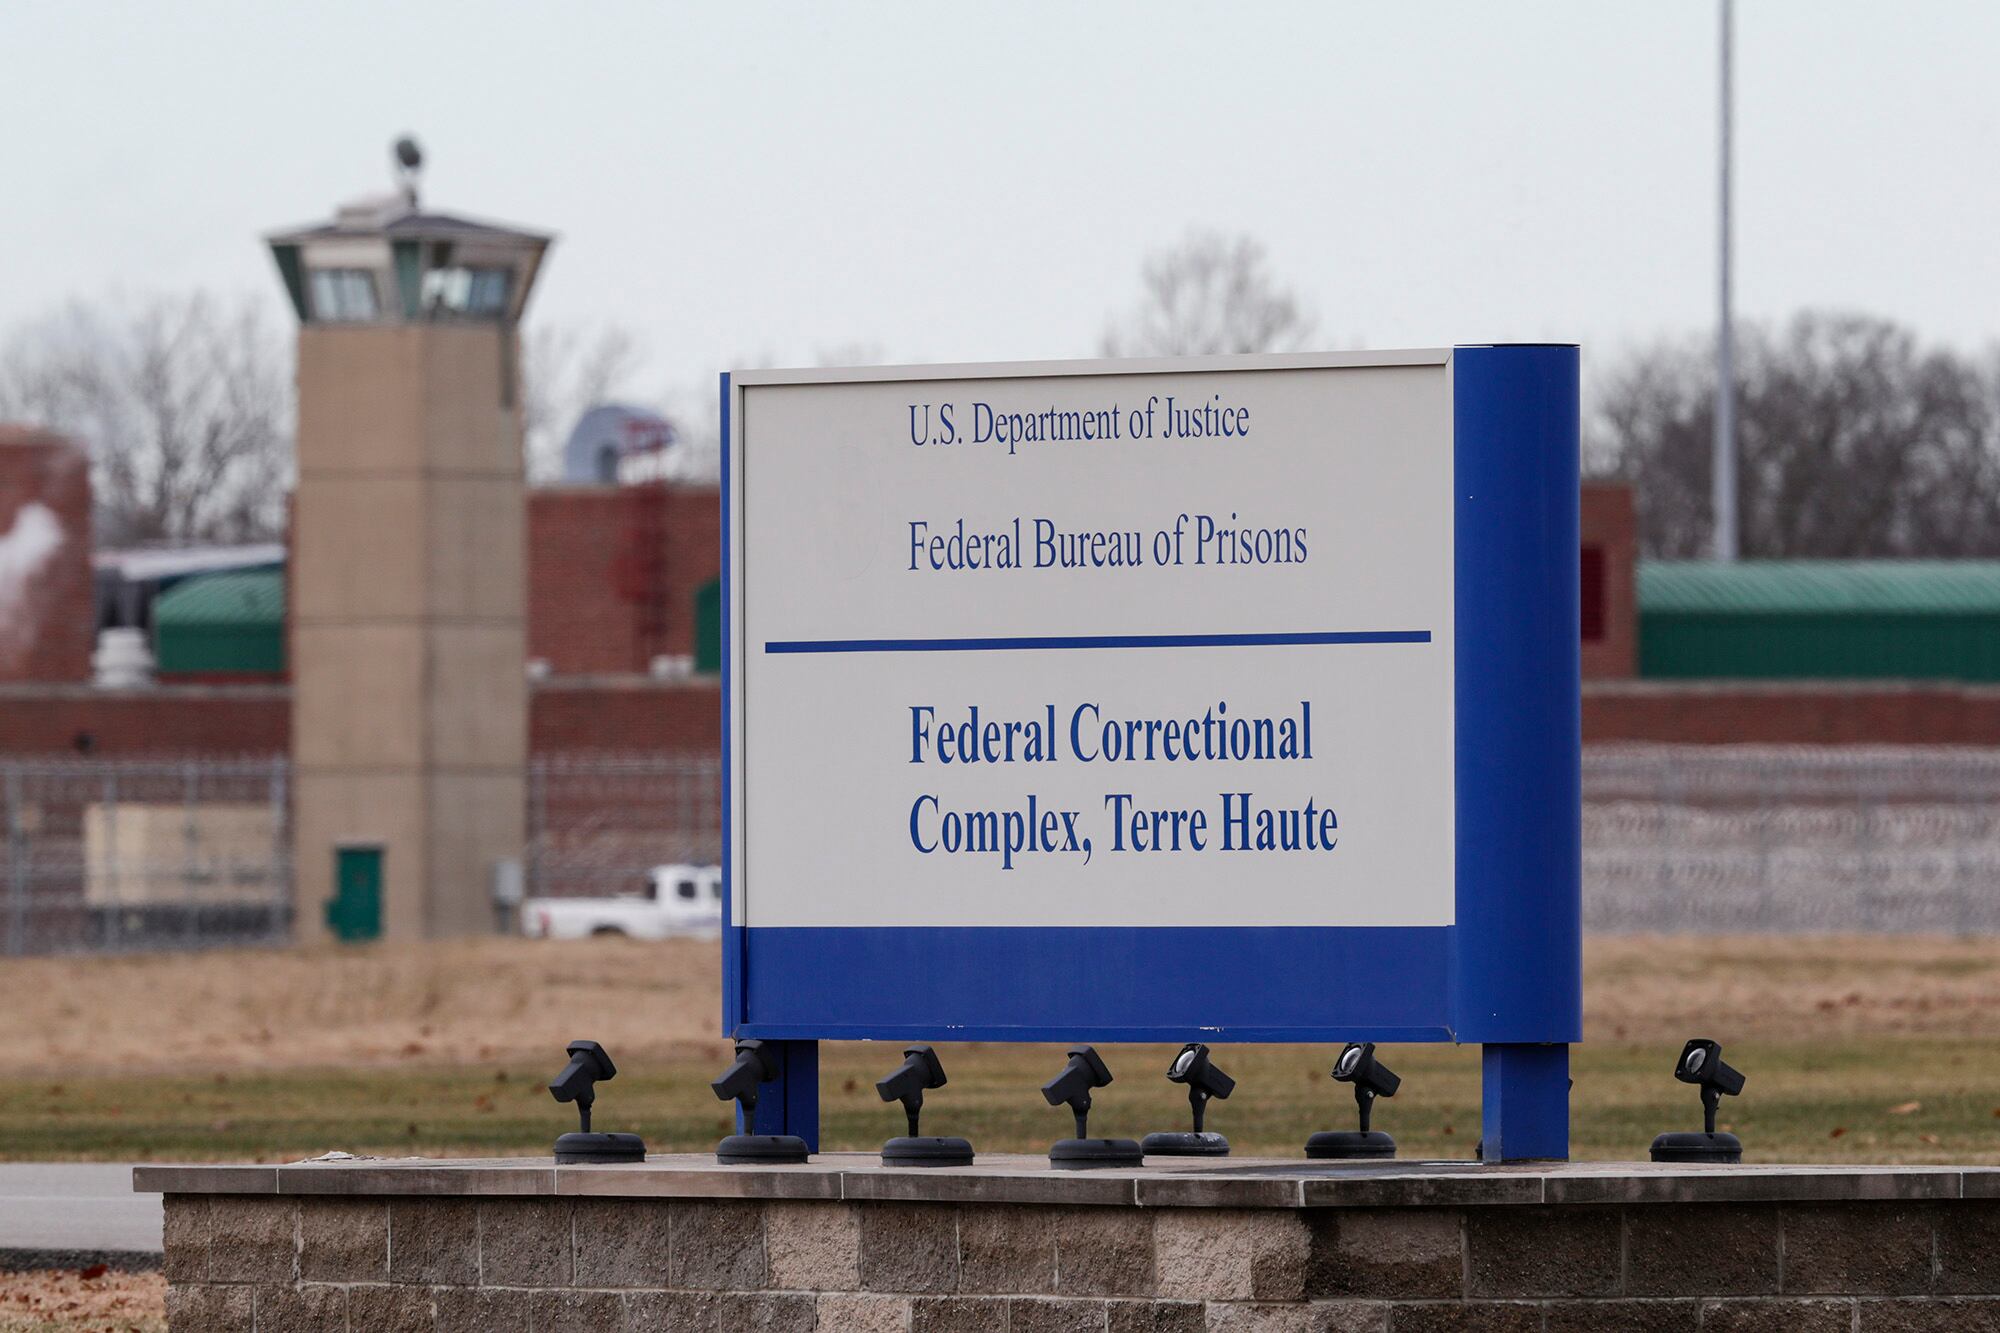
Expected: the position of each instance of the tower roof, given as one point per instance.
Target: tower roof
(391, 217)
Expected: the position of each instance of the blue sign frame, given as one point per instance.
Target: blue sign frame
(1506, 975)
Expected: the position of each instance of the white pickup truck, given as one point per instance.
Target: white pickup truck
(673, 900)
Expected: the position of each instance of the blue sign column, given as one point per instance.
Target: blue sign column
(1524, 1102)
(1519, 972)
(790, 1103)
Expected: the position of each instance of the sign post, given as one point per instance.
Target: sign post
(1230, 699)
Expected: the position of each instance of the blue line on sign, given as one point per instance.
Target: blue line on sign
(1097, 641)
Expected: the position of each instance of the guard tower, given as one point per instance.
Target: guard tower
(408, 642)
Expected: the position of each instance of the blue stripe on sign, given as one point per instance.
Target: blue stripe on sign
(1099, 983)
(1340, 637)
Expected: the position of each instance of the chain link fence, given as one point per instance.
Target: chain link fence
(109, 855)
(597, 824)
(1791, 839)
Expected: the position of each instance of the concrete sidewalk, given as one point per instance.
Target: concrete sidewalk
(74, 1209)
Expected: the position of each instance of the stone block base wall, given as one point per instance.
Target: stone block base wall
(649, 1265)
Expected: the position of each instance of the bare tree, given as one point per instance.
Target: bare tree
(1854, 442)
(1210, 294)
(564, 373)
(184, 402)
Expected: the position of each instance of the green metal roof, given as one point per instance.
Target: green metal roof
(230, 624)
(240, 597)
(1821, 587)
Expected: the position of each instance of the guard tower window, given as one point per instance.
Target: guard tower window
(479, 292)
(344, 294)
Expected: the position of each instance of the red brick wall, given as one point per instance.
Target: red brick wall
(633, 716)
(694, 557)
(1780, 714)
(637, 716)
(630, 716)
(47, 623)
(1610, 543)
(168, 720)
(612, 573)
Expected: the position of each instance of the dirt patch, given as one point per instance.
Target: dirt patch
(500, 1000)
(93, 1299)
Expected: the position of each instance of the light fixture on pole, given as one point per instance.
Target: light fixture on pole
(1701, 1064)
(1723, 489)
(920, 1071)
(1086, 1070)
(1370, 1078)
(1203, 1080)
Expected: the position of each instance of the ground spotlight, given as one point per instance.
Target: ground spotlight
(1193, 1068)
(1371, 1079)
(920, 1071)
(1086, 1070)
(588, 1066)
(739, 1083)
(1701, 1064)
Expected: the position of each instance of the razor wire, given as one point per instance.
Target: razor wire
(1791, 839)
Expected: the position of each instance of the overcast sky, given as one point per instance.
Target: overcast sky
(943, 182)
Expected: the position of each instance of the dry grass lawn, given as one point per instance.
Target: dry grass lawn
(443, 1050)
(482, 1001)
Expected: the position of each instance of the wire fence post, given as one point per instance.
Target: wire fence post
(113, 872)
(1768, 907)
(189, 920)
(531, 870)
(17, 867)
(283, 903)
(280, 906)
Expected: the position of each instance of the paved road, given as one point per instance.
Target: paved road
(86, 1206)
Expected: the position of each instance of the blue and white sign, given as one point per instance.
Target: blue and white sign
(1230, 698)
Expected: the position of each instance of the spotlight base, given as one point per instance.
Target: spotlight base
(762, 1150)
(1350, 1144)
(1695, 1146)
(926, 1152)
(1184, 1144)
(1086, 1154)
(600, 1148)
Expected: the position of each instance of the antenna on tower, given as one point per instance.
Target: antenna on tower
(409, 167)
